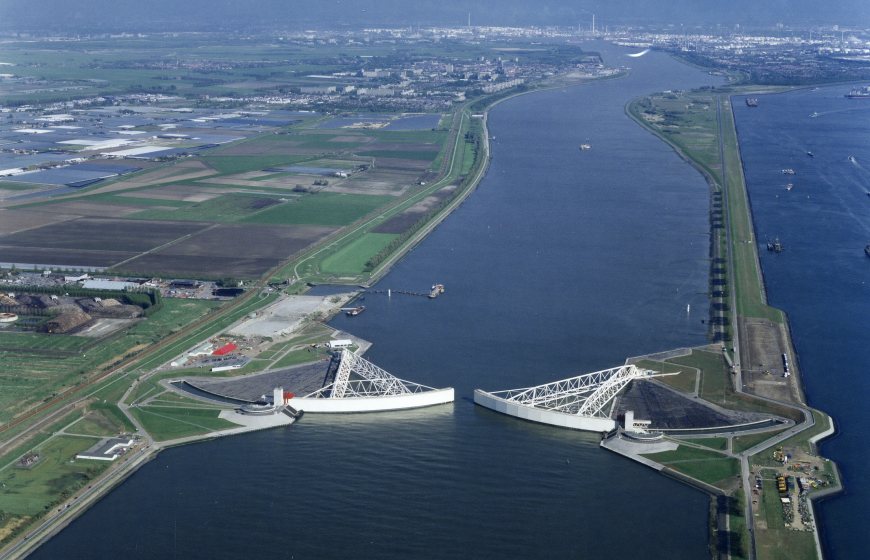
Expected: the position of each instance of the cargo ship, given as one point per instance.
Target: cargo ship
(437, 290)
(752, 102)
(859, 93)
(355, 311)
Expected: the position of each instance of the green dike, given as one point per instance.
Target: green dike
(748, 285)
(323, 209)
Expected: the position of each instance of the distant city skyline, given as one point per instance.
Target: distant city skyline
(89, 15)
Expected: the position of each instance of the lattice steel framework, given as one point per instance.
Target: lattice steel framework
(357, 377)
(584, 395)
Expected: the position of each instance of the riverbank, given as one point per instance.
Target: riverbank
(744, 311)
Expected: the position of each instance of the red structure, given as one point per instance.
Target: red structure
(225, 349)
(288, 395)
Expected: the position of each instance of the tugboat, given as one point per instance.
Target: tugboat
(437, 290)
(355, 311)
(774, 246)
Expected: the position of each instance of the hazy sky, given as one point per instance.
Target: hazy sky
(73, 15)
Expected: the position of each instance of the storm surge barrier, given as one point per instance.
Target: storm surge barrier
(579, 402)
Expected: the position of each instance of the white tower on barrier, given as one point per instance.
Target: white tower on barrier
(278, 396)
(628, 426)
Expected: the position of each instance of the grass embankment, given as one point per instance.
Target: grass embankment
(695, 123)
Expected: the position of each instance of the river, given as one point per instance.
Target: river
(561, 262)
(822, 278)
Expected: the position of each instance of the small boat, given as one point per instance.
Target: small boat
(752, 102)
(788, 171)
(774, 246)
(814, 115)
(852, 159)
(810, 154)
(789, 186)
(355, 311)
(437, 290)
(867, 250)
(584, 147)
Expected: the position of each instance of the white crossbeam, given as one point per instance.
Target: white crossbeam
(357, 377)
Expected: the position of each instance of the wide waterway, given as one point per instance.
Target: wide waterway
(561, 262)
(822, 278)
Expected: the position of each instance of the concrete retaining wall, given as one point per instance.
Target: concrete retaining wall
(373, 404)
(541, 416)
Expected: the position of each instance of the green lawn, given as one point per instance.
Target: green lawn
(683, 381)
(350, 260)
(105, 419)
(328, 209)
(296, 357)
(707, 466)
(743, 443)
(718, 443)
(164, 423)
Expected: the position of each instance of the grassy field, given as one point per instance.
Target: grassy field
(350, 260)
(707, 466)
(57, 475)
(323, 209)
(164, 423)
(28, 378)
(225, 208)
(717, 386)
(683, 381)
(777, 542)
(717, 443)
(230, 165)
(742, 443)
(103, 420)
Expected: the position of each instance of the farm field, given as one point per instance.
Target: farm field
(237, 210)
